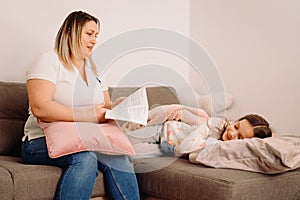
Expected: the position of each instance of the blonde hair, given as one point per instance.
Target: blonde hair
(68, 38)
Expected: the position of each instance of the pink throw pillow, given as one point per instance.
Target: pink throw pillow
(65, 138)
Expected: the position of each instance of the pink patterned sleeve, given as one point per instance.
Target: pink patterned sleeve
(189, 115)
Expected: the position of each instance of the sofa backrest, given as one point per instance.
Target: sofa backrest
(158, 95)
(13, 114)
(14, 110)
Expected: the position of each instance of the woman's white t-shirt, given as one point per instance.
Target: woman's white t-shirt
(71, 89)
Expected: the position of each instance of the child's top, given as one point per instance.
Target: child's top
(182, 138)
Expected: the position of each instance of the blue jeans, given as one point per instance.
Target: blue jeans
(81, 169)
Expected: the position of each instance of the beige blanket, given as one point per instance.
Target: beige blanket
(270, 155)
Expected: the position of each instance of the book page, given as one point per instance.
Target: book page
(133, 109)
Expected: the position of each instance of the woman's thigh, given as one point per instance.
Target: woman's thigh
(36, 152)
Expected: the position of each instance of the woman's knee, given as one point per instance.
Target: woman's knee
(116, 162)
(86, 161)
(85, 156)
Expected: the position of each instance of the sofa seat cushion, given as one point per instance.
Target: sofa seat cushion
(35, 181)
(171, 178)
(6, 186)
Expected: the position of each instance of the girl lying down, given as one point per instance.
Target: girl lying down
(181, 130)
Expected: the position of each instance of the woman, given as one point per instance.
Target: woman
(60, 85)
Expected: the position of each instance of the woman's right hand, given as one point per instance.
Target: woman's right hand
(100, 111)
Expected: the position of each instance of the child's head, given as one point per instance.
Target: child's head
(249, 126)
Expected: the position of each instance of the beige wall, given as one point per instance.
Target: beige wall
(255, 44)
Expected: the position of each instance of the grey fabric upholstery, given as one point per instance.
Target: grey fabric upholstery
(6, 185)
(160, 95)
(33, 181)
(164, 178)
(13, 114)
(171, 178)
(19, 181)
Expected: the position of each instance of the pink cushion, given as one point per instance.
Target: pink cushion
(70, 137)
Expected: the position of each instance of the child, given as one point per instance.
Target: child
(181, 130)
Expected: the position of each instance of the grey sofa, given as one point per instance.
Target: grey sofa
(161, 178)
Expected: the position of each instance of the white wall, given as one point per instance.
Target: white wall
(29, 28)
(255, 45)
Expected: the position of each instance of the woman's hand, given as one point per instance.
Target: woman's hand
(100, 111)
(116, 102)
(41, 94)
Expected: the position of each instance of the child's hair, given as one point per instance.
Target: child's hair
(261, 127)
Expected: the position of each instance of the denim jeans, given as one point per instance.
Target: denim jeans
(81, 169)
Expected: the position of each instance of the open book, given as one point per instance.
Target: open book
(133, 109)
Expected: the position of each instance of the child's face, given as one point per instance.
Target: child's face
(238, 130)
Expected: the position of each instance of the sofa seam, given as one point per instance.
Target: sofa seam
(12, 119)
(12, 178)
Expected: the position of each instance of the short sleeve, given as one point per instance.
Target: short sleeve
(46, 67)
